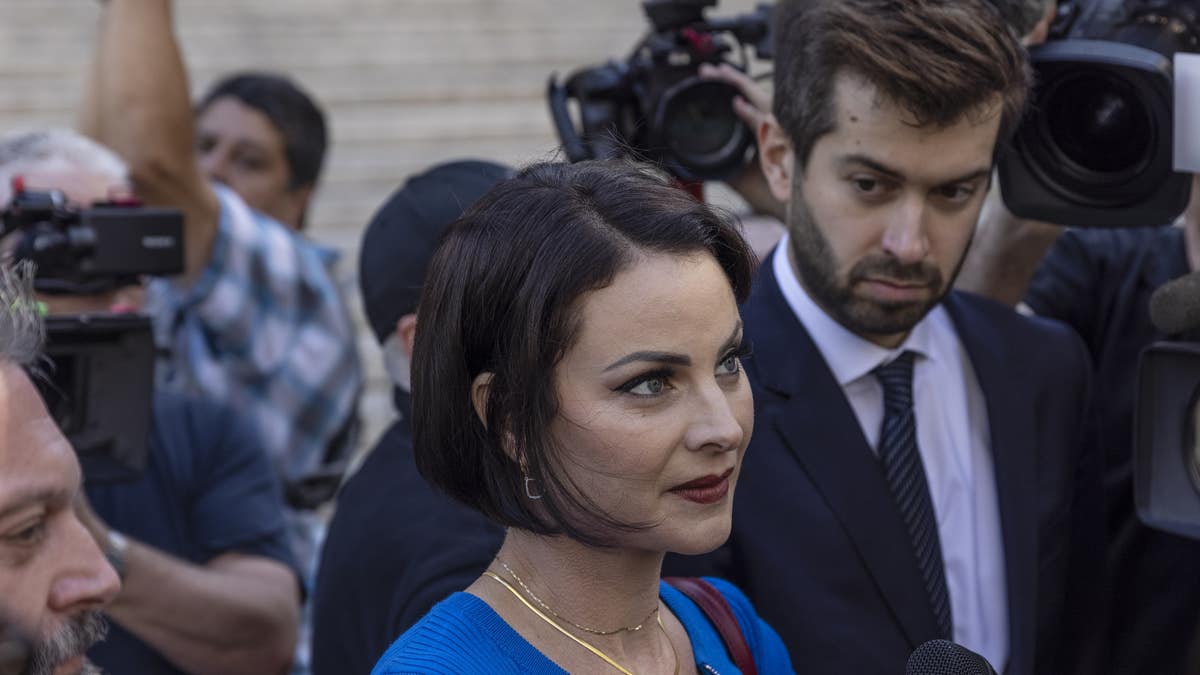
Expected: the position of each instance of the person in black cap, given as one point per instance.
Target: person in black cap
(396, 546)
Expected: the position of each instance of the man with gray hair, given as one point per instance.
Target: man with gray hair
(237, 549)
(221, 593)
(53, 578)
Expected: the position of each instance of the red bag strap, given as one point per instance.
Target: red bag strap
(717, 609)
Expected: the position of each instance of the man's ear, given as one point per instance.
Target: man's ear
(777, 158)
(406, 328)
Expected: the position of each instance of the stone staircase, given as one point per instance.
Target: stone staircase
(405, 84)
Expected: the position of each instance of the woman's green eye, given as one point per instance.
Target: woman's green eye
(649, 387)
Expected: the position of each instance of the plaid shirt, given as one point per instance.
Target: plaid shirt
(264, 330)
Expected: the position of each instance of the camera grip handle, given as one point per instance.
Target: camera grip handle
(572, 142)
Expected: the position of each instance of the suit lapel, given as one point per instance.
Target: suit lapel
(815, 422)
(1010, 421)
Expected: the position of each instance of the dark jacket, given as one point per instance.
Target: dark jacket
(818, 542)
(395, 548)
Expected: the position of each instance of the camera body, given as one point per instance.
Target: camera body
(654, 106)
(1097, 147)
(1167, 438)
(99, 390)
(88, 251)
(100, 381)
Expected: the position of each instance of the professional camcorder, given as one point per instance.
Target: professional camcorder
(88, 251)
(654, 106)
(1167, 415)
(1097, 148)
(101, 374)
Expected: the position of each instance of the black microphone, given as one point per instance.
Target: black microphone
(1175, 306)
(943, 657)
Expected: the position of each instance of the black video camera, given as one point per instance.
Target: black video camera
(654, 106)
(1166, 469)
(89, 251)
(101, 379)
(1097, 147)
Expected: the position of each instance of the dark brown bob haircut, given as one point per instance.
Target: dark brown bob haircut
(502, 297)
(940, 60)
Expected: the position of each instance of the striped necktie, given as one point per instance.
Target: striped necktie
(906, 478)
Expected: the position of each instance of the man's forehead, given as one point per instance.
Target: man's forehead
(230, 118)
(854, 94)
(33, 451)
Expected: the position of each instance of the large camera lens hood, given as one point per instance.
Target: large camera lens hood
(1096, 147)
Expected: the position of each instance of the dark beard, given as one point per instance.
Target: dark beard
(74, 638)
(817, 269)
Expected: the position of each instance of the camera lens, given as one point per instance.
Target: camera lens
(699, 122)
(1098, 123)
(700, 136)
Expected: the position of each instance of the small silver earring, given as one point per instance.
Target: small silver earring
(528, 491)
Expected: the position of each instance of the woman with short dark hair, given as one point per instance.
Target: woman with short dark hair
(577, 378)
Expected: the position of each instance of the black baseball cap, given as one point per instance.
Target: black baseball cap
(403, 233)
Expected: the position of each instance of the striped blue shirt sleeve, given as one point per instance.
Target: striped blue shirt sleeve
(265, 330)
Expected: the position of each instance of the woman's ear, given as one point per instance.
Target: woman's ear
(479, 396)
(480, 388)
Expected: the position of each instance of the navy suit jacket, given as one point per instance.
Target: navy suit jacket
(819, 545)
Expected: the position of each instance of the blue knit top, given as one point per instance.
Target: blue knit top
(463, 635)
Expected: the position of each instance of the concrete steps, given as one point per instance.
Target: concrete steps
(405, 84)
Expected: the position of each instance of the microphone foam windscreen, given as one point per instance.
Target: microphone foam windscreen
(1175, 306)
(943, 657)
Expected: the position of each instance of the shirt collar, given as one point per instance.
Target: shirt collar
(849, 356)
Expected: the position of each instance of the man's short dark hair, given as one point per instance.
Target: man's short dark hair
(291, 111)
(939, 60)
(502, 297)
(1022, 15)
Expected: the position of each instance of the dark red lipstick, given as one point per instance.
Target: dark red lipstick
(708, 489)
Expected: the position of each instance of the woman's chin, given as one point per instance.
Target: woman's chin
(705, 538)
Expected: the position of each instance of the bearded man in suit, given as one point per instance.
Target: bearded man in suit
(917, 470)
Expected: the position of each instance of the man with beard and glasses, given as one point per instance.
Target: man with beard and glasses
(53, 578)
(917, 470)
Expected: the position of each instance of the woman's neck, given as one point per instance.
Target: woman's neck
(603, 589)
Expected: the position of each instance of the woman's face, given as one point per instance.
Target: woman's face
(655, 411)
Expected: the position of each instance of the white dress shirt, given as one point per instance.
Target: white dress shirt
(954, 442)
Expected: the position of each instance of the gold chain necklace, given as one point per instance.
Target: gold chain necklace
(578, 640)
(560, 617)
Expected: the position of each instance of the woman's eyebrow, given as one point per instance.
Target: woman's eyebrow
(653, 357)
(671, 357)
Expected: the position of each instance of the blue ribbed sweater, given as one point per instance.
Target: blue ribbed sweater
(462, 635)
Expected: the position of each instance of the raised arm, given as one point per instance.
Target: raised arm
(1005, 253)
(139, 105)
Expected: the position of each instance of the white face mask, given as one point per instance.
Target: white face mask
(396, 362)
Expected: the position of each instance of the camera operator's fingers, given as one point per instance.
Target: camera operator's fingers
(752, 115)
(753, 93)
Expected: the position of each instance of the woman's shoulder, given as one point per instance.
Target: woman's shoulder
(451, 638)
(768, 649)
(461, 635)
